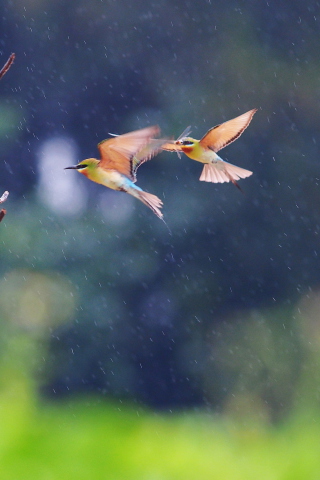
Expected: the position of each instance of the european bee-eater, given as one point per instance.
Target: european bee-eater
(120, 158)
(205, 150)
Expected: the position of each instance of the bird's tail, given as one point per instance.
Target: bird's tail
(223, 172)
(152, 201)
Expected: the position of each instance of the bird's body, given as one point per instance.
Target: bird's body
(198, 153)
(120, 158)
(109, 178)
(215, 170)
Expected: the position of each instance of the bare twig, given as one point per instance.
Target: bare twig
(7, 65)
(3, 71)
(3, 211)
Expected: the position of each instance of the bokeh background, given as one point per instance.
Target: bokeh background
(127, 351)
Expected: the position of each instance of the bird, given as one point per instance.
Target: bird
(121, 156)
(205, 150)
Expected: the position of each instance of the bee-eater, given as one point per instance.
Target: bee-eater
(205, 150)
(120, 158)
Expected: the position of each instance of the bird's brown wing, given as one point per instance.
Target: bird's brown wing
(227, 132)
(117, 153)
(146, 153)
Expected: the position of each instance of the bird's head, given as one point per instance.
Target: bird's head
(86, 167)
(185, 141)
(186, 144)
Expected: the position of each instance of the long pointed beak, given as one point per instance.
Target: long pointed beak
(73, 167)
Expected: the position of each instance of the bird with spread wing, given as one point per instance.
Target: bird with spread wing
(205, 150)
(121, 156)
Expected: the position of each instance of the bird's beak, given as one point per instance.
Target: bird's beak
(73, 167)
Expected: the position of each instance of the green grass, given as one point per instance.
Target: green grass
(89, 439)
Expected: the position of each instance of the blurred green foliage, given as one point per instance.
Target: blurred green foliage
(82, 317)
(91, 439)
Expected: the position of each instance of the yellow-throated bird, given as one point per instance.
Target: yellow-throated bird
(120, 158)
(205, 150)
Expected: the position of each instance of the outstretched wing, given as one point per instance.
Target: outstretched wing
(146, 153)
(227, 132)
(117, 153)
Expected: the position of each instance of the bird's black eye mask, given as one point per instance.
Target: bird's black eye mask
(187, 142)
(80, 167)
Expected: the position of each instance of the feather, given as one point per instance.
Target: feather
(222, 135)
(152, 201)
(146, 153)
(117, 153)
(223, 172)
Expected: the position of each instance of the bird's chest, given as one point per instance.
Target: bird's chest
(198, 153)
(111, 179)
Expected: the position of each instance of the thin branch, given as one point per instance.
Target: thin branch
(6, 67)
(3, 71)
(3, 211)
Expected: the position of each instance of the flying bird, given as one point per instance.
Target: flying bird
(205, 150)
(121, 156)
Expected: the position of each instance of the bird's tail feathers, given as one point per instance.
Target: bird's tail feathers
(152, 201)
(229, 173)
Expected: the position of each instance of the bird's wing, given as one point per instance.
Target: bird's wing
(117, 153)
(146, 153)
(227, 132)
